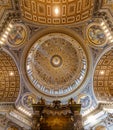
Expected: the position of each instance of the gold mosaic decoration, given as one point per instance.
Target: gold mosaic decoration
(17, 35)
(70, 11)
(56, 64)
(27, 100)
(95, 35)
(9, 79)
(103, 77)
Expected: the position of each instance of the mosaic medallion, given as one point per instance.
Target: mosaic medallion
(27, 100)
(56, 64)
(84, 100)
(17, 35)
(96, 35)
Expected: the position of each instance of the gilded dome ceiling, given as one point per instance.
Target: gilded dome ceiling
(103, 77)
(9, 79)
(56, 64)
(56, 12)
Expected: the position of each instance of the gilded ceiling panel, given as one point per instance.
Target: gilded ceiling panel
(9, 79)
(55, 12)
(103, 77)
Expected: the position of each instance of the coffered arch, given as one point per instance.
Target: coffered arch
(103, 77)
(9, 78)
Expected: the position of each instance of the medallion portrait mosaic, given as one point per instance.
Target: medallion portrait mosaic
(17, 35)
(96, 35)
